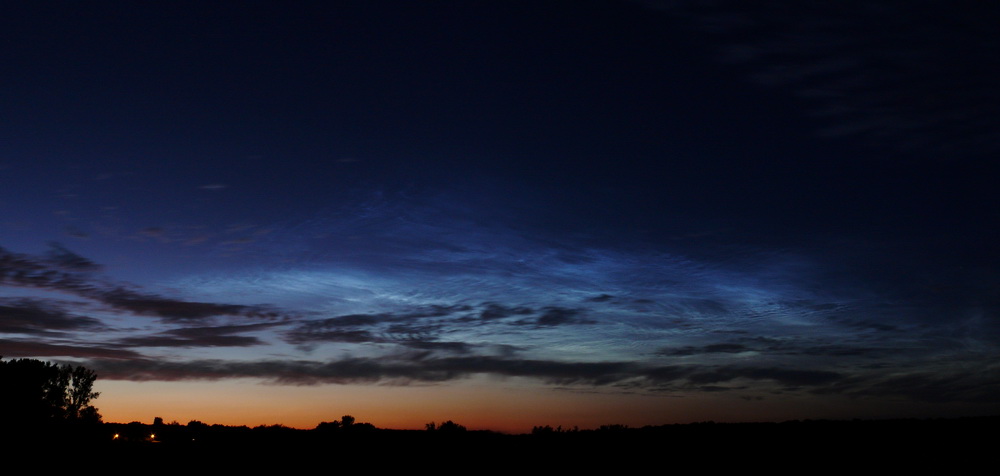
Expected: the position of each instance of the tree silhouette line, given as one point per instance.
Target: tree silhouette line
(53, 403)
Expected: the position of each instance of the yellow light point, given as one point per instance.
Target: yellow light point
(115, 437)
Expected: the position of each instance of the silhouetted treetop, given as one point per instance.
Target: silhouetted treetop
(36, 392)
(346, 423)
(445, 427)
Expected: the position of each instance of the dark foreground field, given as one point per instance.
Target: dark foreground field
(954, 445)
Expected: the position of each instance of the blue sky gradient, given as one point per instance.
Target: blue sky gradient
(729, 209)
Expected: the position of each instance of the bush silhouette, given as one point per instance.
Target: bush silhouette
(445, 427)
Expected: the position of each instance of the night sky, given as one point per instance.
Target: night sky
(505, 213)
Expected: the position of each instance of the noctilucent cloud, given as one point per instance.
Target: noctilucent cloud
(505, 213)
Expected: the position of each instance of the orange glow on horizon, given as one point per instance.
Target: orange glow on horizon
(513, 407)
(510, 406)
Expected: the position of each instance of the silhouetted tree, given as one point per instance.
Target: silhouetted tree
(35, 392)
(542, 430)
(346, 421)
(616, 427)
(328, 426)
(450, 427)
(78, 393)
(363, 426)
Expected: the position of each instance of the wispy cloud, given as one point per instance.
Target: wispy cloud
(61, 271)
(915, 78)
(34, 316)
(62, 257)
(21, 348)
(218, 336)
(419, 368)
(679, 380)
(675, 326)
(557, 316)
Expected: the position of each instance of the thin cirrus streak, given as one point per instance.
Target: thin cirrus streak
(913, 77)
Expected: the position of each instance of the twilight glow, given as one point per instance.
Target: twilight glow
(505, 214)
